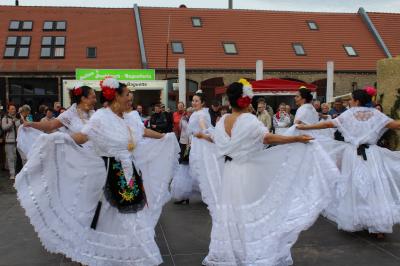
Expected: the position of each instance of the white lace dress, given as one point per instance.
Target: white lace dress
(368, 193)
(263, 198)
(187, 179)
(158, 161)
(61, 184)
(307, 115)
(72, 119)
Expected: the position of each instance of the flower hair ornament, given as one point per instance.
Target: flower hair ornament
(199, 91)
(371, 91)
(108, 87)
(77, 89)
(247, 94)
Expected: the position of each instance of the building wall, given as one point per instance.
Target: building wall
(389, 89)
(343, 81)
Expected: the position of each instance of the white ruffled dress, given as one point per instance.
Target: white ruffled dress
(307, 115)
(368, 193)
(186, 180)
(62, 182)
(261, 199)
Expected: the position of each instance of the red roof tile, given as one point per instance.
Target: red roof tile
(266, 35)
(388, 25)
(112, 31)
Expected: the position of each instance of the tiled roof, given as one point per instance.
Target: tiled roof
(112, 31)
(388, 26)
(266, 35)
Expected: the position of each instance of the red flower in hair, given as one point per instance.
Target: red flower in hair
(371, 91)
(77, 91)
(108, 93)
(243, 102)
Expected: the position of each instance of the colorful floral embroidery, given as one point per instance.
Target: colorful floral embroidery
(127, 191)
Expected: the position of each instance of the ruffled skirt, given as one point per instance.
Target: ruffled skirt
(263, 203)
(368, 193)
(59, 188)
(183, 185)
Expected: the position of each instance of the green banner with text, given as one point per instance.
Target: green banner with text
(120, 74)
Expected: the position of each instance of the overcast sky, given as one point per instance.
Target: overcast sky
(295, 5)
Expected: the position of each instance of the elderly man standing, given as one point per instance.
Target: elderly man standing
(263, 115)
(10, 124)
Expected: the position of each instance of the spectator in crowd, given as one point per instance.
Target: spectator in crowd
(289, 112)
(268, 108)
(49, 117)
(10, 123)
(139, 109)
(263, 115)
(337, 109)
(176, 117)
(281, 120)
(379, 107)
(215, 112)
(317, 106)
(251, 109)
(25, 112)
(159, 120)
(62, 110)
(105, 105)
(183, 125)
(168, 114)
(57, 108)
(41, 113)
(346, 104)
(324, 114)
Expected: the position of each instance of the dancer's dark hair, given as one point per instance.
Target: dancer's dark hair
(201, 95)
(306, 94)
(77, 98)
(234, 92)
(363, 97)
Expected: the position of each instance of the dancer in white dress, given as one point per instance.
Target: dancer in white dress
(200, 122)
(368, 193)
(184, 186)
(83, 100)
(266, 197)
(307, 115)
(61, 190)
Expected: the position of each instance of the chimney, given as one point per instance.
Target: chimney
(230, 4)
(16, 3)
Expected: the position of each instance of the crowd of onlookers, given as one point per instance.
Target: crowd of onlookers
(161, 120)
(11, 120)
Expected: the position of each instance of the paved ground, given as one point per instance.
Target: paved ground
(183, 237)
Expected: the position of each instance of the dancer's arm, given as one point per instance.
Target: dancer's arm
(47, 126)
(393, 124)
(148, 133)
(322, 125)
(201, 135)
(80, 138)
(279, 139)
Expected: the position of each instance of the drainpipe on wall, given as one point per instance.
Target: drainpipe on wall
(140, 36)
(374, 31)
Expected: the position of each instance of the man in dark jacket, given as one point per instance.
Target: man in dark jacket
(159, 120)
